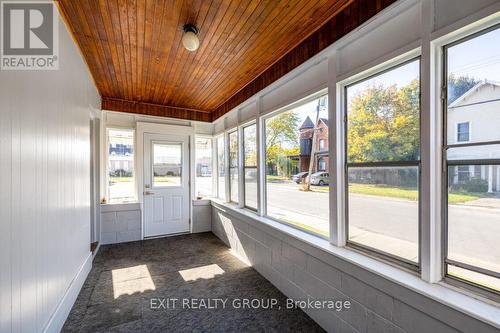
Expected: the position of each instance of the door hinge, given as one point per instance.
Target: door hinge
(444, 93)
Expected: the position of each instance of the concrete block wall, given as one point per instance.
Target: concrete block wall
(302, 271)
(120, 223)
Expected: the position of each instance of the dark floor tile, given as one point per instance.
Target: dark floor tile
(117, 294)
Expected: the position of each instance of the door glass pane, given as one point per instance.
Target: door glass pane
(167, 164)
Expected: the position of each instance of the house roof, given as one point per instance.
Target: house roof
(325, 121)
(472, 90)
(307, 124)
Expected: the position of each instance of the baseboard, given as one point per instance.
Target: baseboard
(58, 318)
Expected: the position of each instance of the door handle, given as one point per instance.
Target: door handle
(148, 193)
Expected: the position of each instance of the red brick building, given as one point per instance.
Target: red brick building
(321, 154)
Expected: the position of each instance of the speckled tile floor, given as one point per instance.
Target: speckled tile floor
(127, 279)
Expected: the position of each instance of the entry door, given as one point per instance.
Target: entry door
(166, 184)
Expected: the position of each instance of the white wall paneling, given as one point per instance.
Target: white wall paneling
(44, 190)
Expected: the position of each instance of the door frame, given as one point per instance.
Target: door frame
(166, 129)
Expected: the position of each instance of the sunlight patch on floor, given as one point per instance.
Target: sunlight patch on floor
(202, 272)
(131, 280)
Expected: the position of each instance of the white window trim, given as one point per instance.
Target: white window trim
(106, 164)
(457, 133)
(242, 193)
(211, 138)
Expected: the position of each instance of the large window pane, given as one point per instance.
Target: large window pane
(203, 167)
(121, 183)
(383, 209)
(233, 165)
(292, 148)
(250, 165)
(383, 151)
(221, 181)
(473, 192)
(384, 116)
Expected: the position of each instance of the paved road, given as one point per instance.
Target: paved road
(474, 230)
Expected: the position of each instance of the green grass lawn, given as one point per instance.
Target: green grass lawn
(121, 179)
(399, 192)
(271, 178)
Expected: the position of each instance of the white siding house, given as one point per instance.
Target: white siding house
(472, 118)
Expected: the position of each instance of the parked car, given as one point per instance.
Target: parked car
(298, 178)
(319, 178)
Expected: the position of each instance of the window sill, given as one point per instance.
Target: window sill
(120, 206)
(461, 300)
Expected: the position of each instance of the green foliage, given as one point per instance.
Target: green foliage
(459, 85)
(281, 132)
(384, 124)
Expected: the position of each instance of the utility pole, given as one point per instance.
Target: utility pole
(312, 160)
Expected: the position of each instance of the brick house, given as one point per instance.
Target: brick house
(306, 136)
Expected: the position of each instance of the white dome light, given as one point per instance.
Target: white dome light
(190, 38)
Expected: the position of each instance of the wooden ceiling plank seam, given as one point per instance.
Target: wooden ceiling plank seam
(153, 70)
(122, 31)
(179, 74)
(208, 42)
(205, 37)
(148, 37)
(283, 52)
(266, 46)
(228, 45)
(132, 27)
(116, 37)
(232, 25)
(90, 62)
(115, 63)
(85, 37)
(237, 99)
(276, 30)
(140, 45)
(152, 27)
(245, 36)
(98, 22)
(174, 50)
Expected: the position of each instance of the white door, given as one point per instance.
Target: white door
(166, 184)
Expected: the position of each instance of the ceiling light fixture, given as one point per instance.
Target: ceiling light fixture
(190, 38)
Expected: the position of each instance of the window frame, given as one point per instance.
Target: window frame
(244, 167)
(106, 165)
(217, 192)
(458, 141)
(263, 149)
(213, 152)
(402, 262)
(228, 177)
(448, 278)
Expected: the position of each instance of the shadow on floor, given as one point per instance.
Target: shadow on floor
(189, 283)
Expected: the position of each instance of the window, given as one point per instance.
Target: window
(383, 152)
(121, 182)
(167, 164)
(472, 194)
(463, 132)
(203, 167)
(250, 165)
(233, 166)
(221, 173)
(322, 144)
(321, 164)
(290, 138)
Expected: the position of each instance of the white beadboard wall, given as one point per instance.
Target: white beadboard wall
(44, 190)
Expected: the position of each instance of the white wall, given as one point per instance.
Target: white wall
(44, 190)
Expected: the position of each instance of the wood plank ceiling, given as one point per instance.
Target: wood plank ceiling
(134, 52)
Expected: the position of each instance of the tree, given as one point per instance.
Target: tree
(384, 124)
(281, 131)
(459, 85)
